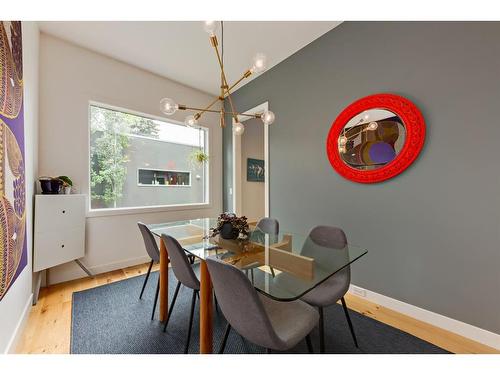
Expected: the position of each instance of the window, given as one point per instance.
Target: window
(140, 161)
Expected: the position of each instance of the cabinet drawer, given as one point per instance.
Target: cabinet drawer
(57, 247)
(57, 212)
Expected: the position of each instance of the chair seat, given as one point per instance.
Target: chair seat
(327, 293)
(292, 321)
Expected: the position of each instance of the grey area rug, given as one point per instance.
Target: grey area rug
(111, 319)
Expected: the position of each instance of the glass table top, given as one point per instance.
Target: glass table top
(284, 267)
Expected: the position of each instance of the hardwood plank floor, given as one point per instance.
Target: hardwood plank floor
(49, 323)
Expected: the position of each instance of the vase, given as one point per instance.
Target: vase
(50, 185)
(228, 232)
(67, 190)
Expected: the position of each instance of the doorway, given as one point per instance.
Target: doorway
(250, 156)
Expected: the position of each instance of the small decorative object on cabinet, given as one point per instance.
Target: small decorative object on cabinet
(59, 232)
(66, 183)
(50, 185)
(376, 138)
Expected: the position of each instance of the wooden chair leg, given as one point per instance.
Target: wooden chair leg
(351, 328)
(156, 299)
(146, 279)
(224, 340)
(193, 302)
(321, 331)
(172, 305)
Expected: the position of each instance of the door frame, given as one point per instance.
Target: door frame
(237, 172)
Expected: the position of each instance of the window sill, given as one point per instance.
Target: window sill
(144, 210)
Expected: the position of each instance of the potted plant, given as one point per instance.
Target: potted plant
(229, 226)
(198, 157)
(50, 185)
(66, 183)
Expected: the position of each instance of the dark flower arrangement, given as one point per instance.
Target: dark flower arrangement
(239, 225)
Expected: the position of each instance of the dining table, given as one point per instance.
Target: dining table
(283, 267)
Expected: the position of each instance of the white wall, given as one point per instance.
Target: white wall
(15, 305)
(252, 193)
(70, 77)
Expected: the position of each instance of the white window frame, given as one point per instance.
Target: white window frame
(97, 212)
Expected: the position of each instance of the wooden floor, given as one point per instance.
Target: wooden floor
(48, 327)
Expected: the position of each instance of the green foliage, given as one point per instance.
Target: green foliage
(108, 151)
(66, 181)
(198, 157)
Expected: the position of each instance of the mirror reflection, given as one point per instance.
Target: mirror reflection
(371, 139)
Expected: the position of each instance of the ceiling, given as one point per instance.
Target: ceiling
(181, 51)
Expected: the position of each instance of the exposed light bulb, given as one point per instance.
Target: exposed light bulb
(190, 121)
(372, 125)
(342, 140)
(238, 128)
(259, 63)
(342, 150)
(366, 116)
(268, 117)
(211, 27)
(168, 106)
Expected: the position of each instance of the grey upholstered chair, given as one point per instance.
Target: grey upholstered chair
(334, 288)
(266, 225)
(269, 225)
(185, 275)
(261, 320)
(154, 253)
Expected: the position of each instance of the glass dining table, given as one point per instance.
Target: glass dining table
(283, 267)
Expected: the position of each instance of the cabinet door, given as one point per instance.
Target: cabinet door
(57, 247)
(59, 212)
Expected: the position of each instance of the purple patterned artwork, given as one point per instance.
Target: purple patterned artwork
(13, 250)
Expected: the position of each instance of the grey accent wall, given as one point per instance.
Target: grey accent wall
(433, 231)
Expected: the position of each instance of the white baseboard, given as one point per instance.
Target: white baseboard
(16, 335)
(460, 328)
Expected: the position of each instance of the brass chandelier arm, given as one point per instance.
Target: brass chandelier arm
(247, 74)
(206, 109)
(223, 74)
(183, 107)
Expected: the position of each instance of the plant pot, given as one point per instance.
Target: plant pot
(67, 190)
(50, 185)
(228, 232)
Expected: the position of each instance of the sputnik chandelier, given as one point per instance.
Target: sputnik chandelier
(169, 106)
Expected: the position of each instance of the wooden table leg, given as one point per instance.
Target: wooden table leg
(163, 281)
(206, 310)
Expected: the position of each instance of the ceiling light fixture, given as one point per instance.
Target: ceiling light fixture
(169, 106)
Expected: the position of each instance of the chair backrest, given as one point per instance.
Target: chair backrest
(241, 304)
(333, 238)
(327, 236)
(183, 270)
(269, 225)
(149, 242)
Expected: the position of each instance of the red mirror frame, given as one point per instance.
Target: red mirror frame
(415, 136)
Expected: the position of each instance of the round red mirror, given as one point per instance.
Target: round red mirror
(375, 138)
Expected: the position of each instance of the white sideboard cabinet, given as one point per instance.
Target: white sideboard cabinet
(59, 231)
